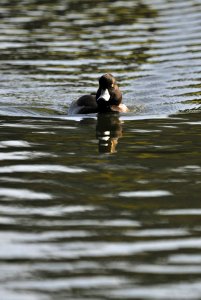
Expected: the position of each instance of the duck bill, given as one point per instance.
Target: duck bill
(105, 95)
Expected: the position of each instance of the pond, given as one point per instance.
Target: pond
(100, 206)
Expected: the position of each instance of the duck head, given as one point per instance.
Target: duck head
(108, 94)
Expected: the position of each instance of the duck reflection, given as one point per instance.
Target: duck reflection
(108, 131)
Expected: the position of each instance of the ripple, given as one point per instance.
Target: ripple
(41, 169)
(70, 283)
(158, 232)
(95, 249)
(185, 259)
(145, 194)
(183, 290)
(175, 212)
(23, 155)
(53, 211)
(163, 269)
(12, 193)
(14, 143)
(76, 223)
(187, 169)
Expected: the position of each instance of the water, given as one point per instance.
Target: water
(108, 206)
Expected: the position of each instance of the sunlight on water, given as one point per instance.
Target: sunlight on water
(145, 194)
(40, 168)
(22, 194)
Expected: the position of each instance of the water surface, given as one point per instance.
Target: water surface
(101, 206)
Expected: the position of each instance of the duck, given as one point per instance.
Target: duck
(108, 98)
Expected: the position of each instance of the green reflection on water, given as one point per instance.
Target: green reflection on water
(49, 22)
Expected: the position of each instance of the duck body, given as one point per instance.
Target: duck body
(108, 98)
(84, 105)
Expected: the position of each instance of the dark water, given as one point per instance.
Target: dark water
(107, 206)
